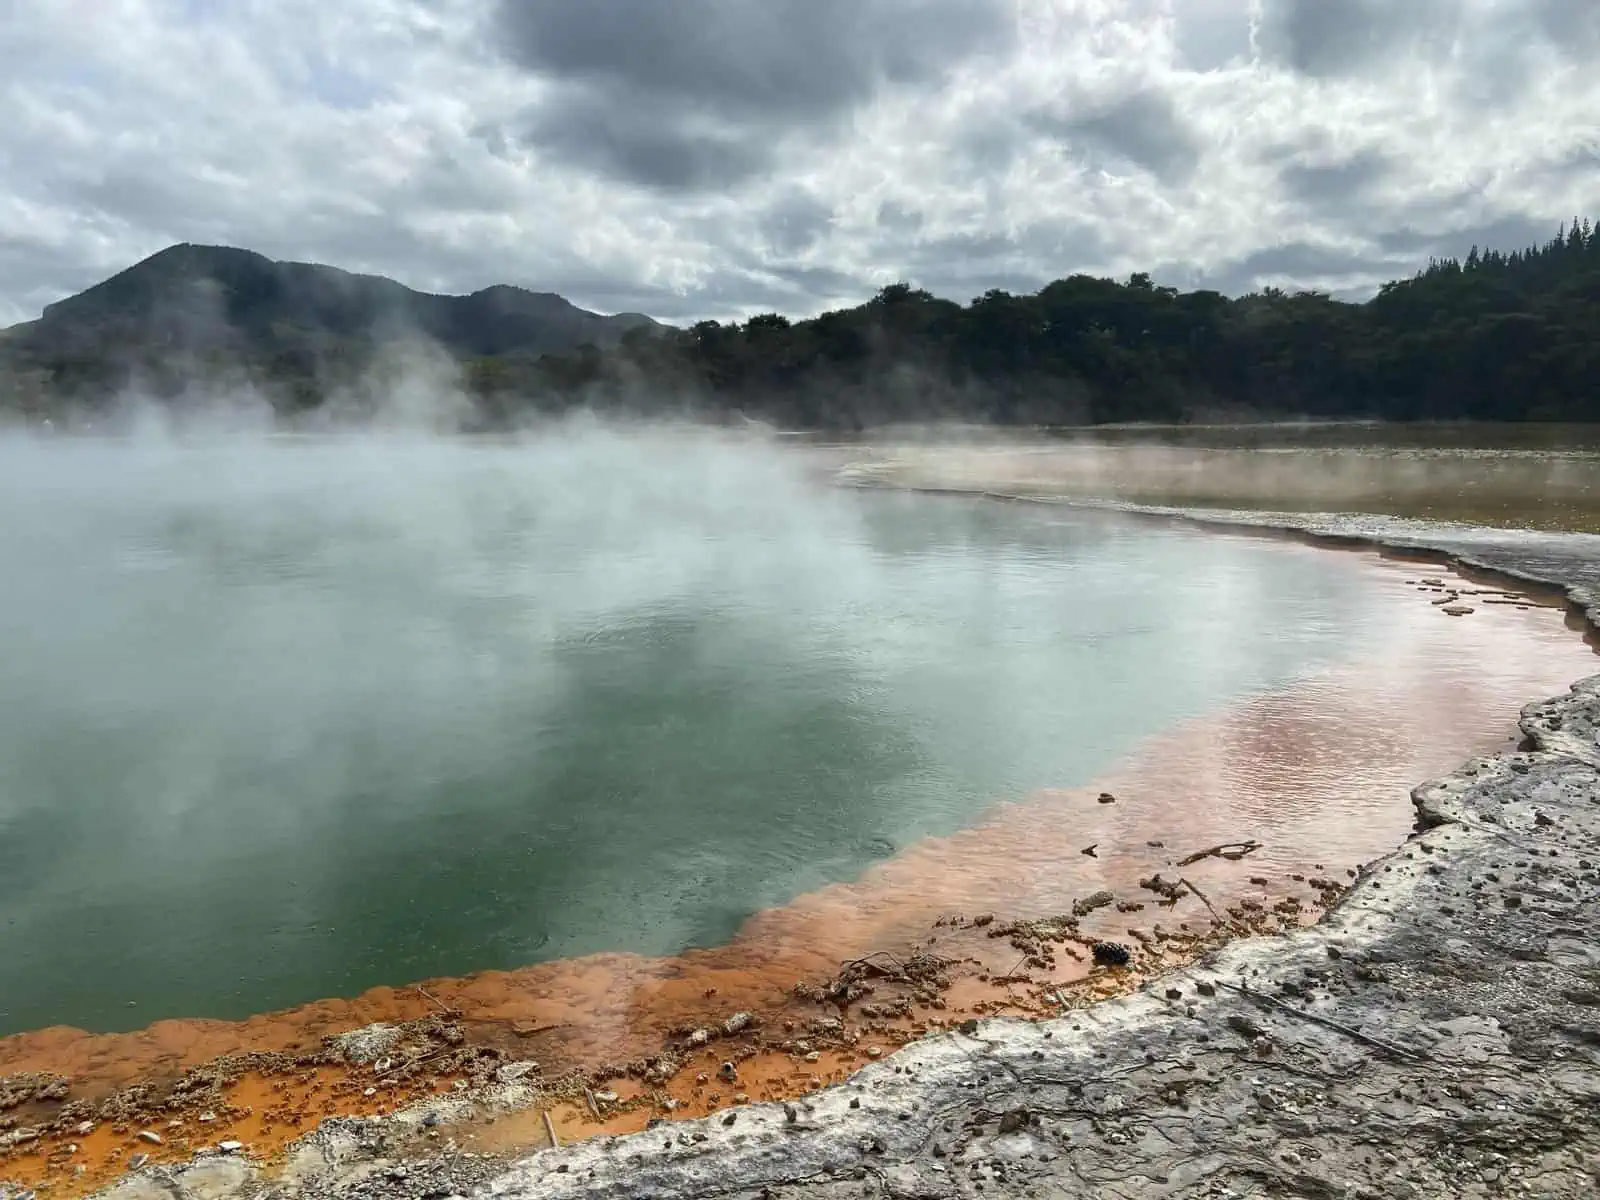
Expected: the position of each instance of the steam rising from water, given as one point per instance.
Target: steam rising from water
(287, 717)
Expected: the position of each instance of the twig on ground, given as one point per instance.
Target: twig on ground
(866, 961)
(1328, 1022)
(538, 1029)
(550, 1128)
(445, 1009)
(417, 1062)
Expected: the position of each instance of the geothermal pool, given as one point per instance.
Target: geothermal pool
(287, 719)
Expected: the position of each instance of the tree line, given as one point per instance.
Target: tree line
(1494, 336)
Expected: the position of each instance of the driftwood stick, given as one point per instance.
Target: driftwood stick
(1232, 851)
(538, 1029)
(866, 961)
(1202, 896)
(594, 1105)
(1336, 1026)
(1011, 976)
(550, 1128)
(415, 1062)
(442, 1007)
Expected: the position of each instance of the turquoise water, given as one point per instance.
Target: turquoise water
(288, 719)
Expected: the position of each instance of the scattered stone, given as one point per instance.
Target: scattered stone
(736, 1024)
(1107, 798)
(151, 1136)
(1014, 1121)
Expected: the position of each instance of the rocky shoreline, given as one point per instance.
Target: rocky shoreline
(1437, 1034)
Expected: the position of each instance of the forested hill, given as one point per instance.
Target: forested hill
(197, 316)
(1494, 336)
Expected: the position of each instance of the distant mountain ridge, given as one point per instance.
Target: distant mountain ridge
(192, 307)
(1496, 336)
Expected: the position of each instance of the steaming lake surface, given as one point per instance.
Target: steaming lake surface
(288, 719)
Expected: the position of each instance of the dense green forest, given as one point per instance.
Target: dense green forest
(1495, 336)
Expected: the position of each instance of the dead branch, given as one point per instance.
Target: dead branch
(445, 1009)
(1202, 896)
(1232, 851)
(866, 963)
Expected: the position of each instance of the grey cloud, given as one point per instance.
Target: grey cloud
(961, 266)
(1143, 128)
(1573, 25)
(1513, 232)
(1324, 267)
(1336, 37)
(895, 216)
(777, 57)
(624, 137)
(37, 272)
(1209, 37)
(1356, 273)
(735, 291)
(694, 93)
(779, 102)
(988, 143)
(794, 223)
(1336, 184)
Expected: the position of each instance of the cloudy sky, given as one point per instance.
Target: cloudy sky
(694, 158)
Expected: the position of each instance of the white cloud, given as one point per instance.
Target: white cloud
(747, 155)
